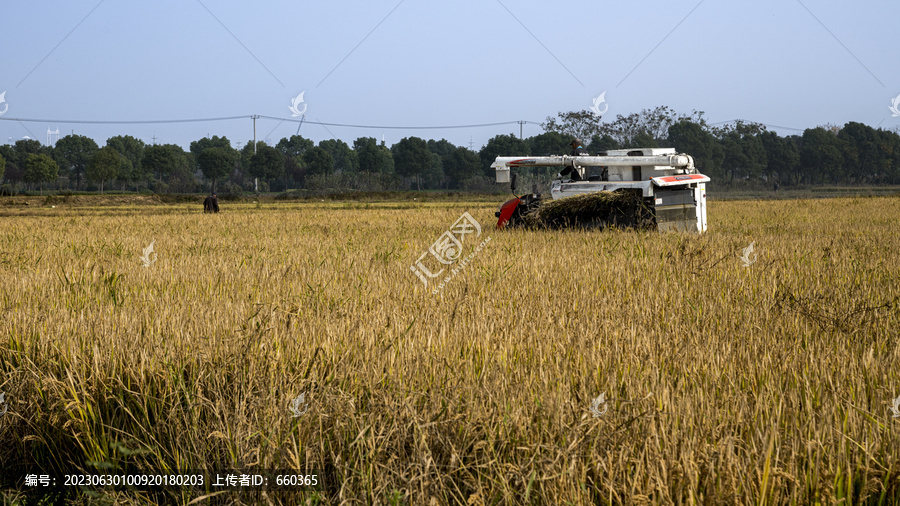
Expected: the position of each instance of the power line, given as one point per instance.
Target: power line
(231, 118)
(124, 122)
(438, 127)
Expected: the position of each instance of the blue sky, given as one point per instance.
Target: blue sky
(425, 63)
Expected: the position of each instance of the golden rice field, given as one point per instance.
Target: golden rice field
(722, 383)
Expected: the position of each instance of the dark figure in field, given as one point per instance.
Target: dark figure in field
(577, 150)
(211, 204)
(776, 185)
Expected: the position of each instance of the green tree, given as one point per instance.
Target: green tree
(744, 155)
(216, 162)
(437, 174)
(317, 161)
(643, 140)
(384, 159)
(412, 158)
(215, 141)
(782, 156)
(73, 154)
(365, 152)
(295, 171)
(740, 127)
(2, 166)
(267, 163)
(25, 147)
(796, 172)
(162, 159)
(502, 145)
(292, 150)
(180, 176)
(372, 156)
(345, 159)
(861, 153)
(442, 148)
(582, 124)
(647, 128)
(12, 172)
(433, 176)
(550, 143)
(247, 152)
(602, 143)
(197, 147)
(22, 149)
(40, 168)
(888, 143)
(689, 137)
(294, 146)
(461, 165)
(820, 155)
(126, 173)
(104, 166)
(132, 152)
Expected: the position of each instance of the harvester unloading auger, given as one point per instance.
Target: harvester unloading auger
(648, 187)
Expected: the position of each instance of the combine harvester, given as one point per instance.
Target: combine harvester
(650, 187)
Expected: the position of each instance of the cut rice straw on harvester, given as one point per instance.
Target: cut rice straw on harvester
(623, 208)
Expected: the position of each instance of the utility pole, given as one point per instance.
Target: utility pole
(256, 179)
(521, 123)
(254, 132)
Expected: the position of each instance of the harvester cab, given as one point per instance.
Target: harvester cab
(668, 183)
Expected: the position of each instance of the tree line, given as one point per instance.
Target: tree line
(737, 151)
(125, 163)
(852, 154)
